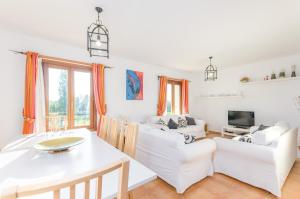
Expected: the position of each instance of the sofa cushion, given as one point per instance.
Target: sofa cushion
(160, 127)
(284, 126)
(154, 119)
(182, 122)
(267, 136)
(192, 130)
(172, 124)
(190, 121)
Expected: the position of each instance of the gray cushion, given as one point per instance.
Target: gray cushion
(190, 121)
(172, 124)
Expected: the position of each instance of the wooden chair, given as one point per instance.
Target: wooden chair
(127, 139)
(112, 132)
(104, 126)
(55, 187)
(56, 123)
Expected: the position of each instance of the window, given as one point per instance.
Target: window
(69, 95)
(174, 105)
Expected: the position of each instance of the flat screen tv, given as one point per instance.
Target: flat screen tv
(241, 119)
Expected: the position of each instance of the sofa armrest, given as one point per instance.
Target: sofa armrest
(286, 153)
(196, 150)
(200, 122)
(248, 150)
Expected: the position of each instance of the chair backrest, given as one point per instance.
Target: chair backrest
(56, 123)
(120, 134)
(112, 132)
(127, 139)
(104, 126)
(55, 187)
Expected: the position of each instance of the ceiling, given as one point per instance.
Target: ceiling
(172, 33)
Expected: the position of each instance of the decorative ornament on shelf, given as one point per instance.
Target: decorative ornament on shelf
(282, 74)
(293, 71)
(266, 77)
(211, 72)
(273, 76)
(98, 38)
(244, 79)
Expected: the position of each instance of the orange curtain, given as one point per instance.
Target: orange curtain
(98, 85)
(29, 99)
(161, 107)
(185, 96)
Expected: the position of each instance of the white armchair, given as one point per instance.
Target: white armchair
(179, 164)
(263, 166)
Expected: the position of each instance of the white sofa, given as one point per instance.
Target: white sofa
(263, 166)
(197, 130)
(179, 164)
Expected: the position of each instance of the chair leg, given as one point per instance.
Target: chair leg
(130, 195)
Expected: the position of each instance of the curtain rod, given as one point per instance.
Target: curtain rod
(171, 78)
(60, 59)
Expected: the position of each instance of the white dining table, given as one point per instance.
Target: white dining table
(22, 164)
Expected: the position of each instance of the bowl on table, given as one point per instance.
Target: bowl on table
(59, 143)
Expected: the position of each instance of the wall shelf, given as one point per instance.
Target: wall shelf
(220, 96)
(271, 80)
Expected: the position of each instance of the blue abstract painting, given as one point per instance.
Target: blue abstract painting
(134, 85)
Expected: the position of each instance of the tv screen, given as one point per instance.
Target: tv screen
(243, 119)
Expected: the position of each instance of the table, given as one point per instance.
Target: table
(22, 164)
(234, 131)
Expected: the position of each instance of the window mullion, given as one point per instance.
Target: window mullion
(70, 98)
(173, 98)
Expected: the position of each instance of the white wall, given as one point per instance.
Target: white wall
(270, 101)
(12, 73)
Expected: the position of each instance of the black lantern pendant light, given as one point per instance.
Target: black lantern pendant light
(97, 38)
(211, 71)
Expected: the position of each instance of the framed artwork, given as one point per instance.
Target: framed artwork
(134, 85)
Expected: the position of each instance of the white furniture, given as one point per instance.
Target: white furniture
(263, 166)
(179, 164)
(233, 131)
(21, 164)
(197, 130)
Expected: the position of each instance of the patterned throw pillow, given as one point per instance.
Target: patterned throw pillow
(162, 122)
(246, 138)
(182, 123)
(188, 139)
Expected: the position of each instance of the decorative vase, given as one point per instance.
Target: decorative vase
(273, 76)
(293, 71)
(282, 74)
